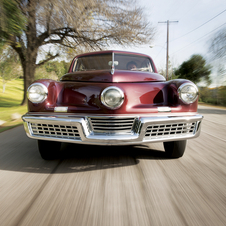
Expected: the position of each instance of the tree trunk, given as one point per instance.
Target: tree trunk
(29, 74)
(30, 54)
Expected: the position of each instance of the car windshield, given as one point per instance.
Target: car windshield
(121, 62)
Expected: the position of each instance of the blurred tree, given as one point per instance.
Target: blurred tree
(12, 20)
(216, 96)
(195, 69)
(10, 68)
(218, 44)
(217, 50)
(81, 25)
(52, 70)
(60, 68)
(171, 70)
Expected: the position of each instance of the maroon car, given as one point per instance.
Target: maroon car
(112, 98)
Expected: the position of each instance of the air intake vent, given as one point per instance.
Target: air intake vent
(55, 131)
(170, 130)
(111, 124)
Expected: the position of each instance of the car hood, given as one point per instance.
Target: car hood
(118, 76)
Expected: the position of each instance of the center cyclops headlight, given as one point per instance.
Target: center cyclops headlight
(188, 93)
(112, 97)
(37, 93)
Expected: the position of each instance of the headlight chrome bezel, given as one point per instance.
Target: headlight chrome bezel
(181, 92)
(43, 93)
(118, 104)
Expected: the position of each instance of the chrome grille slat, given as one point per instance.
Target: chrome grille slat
(55, 131)
(106, 124)
(121, 127)
(115, 120)
(170, 130)
(112, 124)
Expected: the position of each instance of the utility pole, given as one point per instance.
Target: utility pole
(167, 45)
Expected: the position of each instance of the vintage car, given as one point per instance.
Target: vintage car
(112, 98)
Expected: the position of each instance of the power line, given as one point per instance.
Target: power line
(189, 10)
(159, 51)
(198, 39)
(200, 25)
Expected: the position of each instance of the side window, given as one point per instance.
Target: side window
(74, 65)
(79, 66)
(146, 65)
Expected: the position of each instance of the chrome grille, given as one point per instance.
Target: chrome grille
(170, 130)
(55, 131)
(112, 124)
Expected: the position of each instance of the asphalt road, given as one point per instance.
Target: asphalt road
(121, 186)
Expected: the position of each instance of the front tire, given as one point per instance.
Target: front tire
(175, 149)
(48, 149)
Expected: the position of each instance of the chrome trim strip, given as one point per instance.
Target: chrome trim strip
(113, 63)
(87, 136)
(60, 109)
(164, 109)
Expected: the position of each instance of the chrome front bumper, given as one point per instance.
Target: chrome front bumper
(112, 130)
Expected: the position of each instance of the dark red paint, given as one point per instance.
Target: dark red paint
(84, 97)
(144, 92)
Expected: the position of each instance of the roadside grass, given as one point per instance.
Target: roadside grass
(10, 104)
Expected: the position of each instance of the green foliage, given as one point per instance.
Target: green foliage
(60, 68)
(52, 70)
(12, 21)
(9, 66)
(216, 96)
(195, 70)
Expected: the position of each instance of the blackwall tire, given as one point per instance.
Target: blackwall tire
(175, 149)
(48, 149)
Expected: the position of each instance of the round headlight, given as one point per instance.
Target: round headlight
(188, 93)
(112, 97)
(37, 93)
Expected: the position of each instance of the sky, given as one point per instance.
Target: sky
(198, 20)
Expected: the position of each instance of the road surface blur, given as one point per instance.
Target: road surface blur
(115, 186)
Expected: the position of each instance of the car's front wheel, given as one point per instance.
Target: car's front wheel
(48, 149)
(175, 149)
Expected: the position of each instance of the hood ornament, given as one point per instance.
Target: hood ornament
(113, 64)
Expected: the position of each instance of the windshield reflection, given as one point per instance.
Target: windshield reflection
(121, 62)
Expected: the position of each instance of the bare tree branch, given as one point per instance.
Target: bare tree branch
(48, 59)
(76, 24)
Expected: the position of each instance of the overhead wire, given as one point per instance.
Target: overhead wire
(160, 51)
(195, 30)
(198, 39)
(199, 26)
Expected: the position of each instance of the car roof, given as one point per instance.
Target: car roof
(111, 51)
